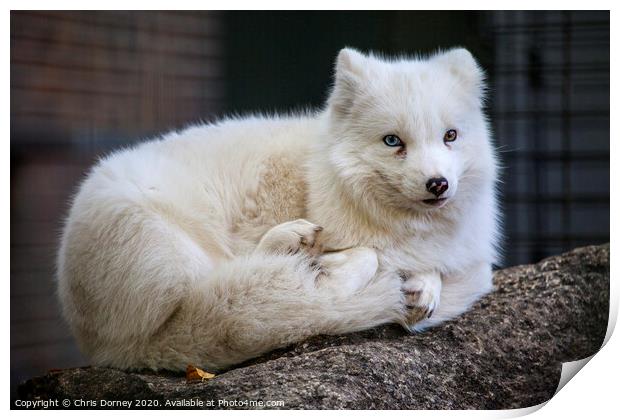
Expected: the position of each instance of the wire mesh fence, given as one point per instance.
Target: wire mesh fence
(550, 112)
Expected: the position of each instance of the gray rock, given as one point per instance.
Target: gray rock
(505, 353)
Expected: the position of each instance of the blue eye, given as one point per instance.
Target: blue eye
(392, 141)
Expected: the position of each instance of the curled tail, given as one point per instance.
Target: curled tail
(139, 293)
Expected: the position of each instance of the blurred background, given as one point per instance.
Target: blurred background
(85, 83)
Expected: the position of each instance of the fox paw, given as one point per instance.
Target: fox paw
(349, 270)
(421, 293)
(292, 237)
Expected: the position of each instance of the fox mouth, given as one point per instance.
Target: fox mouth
(435, 202)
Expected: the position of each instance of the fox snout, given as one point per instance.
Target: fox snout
(437, 186)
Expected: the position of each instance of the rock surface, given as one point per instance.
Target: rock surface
(505, 353)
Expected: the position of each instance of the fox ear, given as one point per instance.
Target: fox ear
(463, 66)
(350, 70)
(350, 61)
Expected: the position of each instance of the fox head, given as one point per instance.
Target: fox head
(410, 134)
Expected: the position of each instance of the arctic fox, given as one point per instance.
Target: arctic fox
(218, 243)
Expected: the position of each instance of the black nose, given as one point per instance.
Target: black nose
(437, 186)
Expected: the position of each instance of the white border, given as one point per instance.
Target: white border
(592, 394)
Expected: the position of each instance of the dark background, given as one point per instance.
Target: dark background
(85, 83)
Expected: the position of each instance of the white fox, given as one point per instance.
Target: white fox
(213, 245)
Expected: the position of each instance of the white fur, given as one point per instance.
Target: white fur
(190, 248)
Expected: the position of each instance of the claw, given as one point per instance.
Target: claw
(404, 276)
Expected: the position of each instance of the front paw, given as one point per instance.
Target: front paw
(422, 294)
(293, 237)
(349, 270)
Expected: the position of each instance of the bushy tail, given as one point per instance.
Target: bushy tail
(253, 304)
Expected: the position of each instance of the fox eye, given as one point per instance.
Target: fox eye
(392, 140)
(450, 136)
